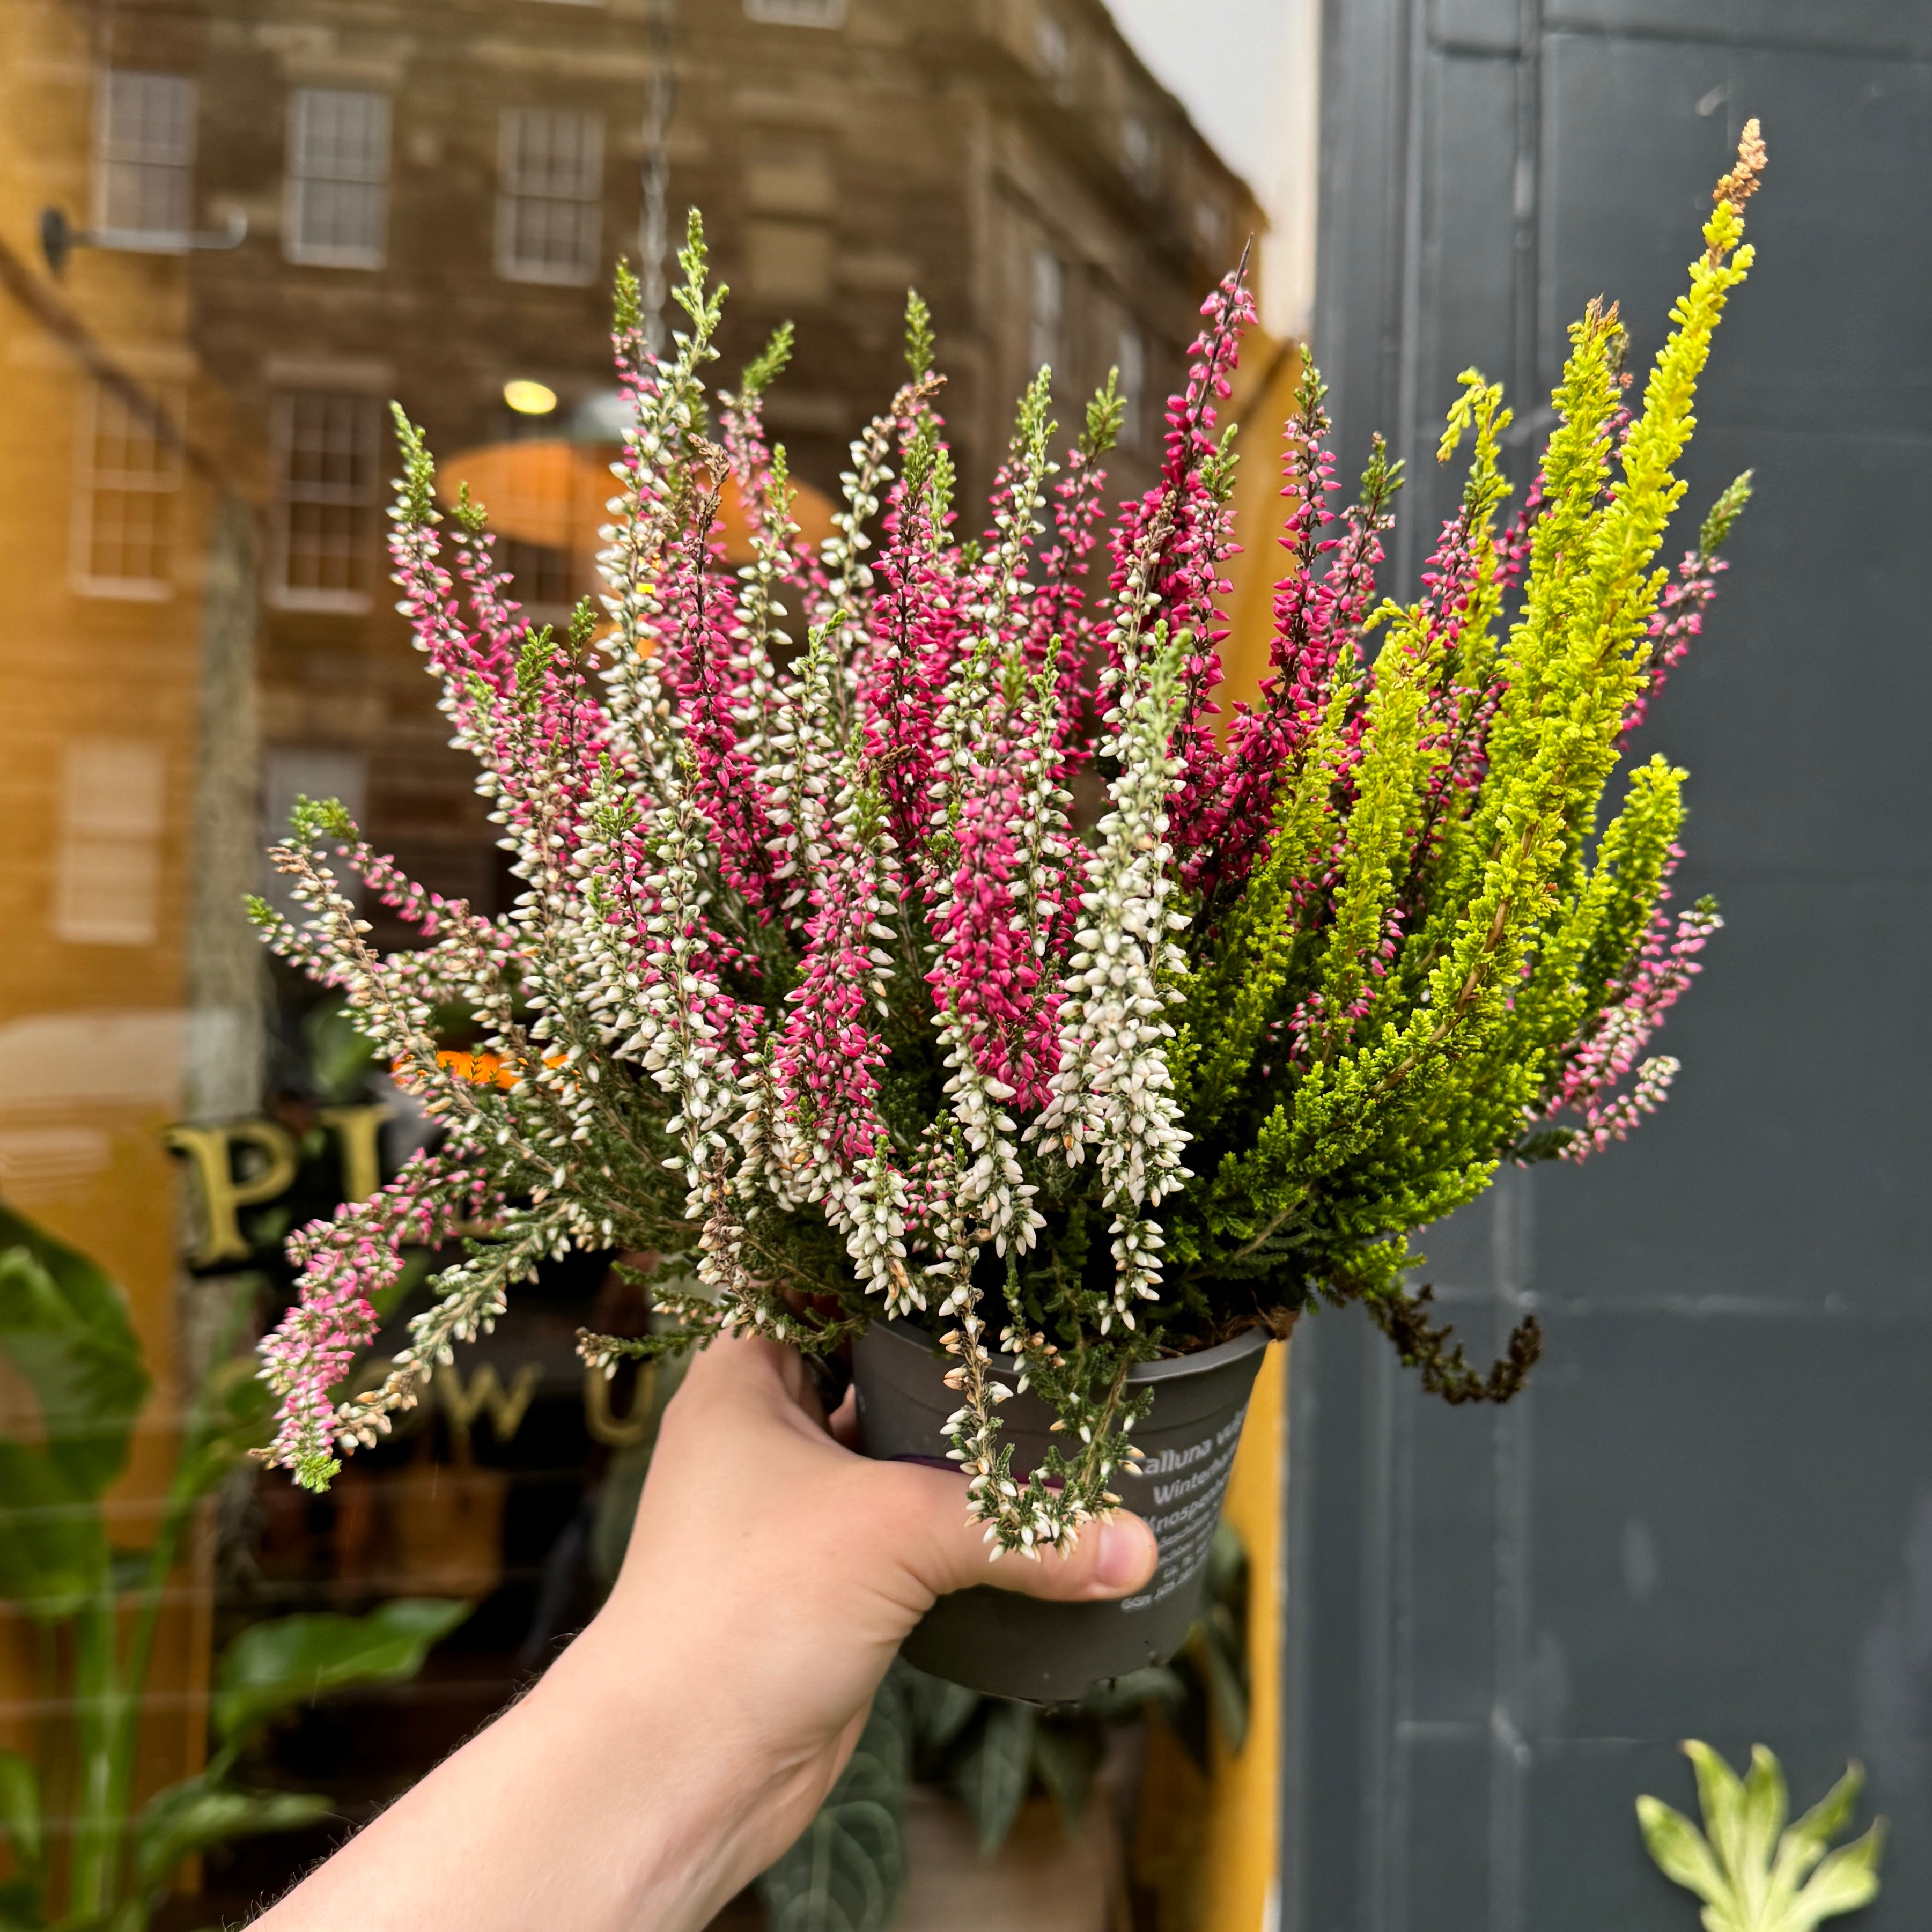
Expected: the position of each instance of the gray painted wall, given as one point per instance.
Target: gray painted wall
(1711, 1516)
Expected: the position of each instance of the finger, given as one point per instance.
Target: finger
(1111, 1557)
(752, 1370)
(844, 1421)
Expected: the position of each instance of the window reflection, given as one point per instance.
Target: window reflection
(229, 243)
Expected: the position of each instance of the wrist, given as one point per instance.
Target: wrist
(680, 1786)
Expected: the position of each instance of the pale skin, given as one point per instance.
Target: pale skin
(685, 1739)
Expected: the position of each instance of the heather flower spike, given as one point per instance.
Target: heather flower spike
(817, 986)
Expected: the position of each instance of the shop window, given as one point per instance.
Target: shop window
(107, 866)
(143, 159)
(1046, 305)
(550, 181)
(338, 179)
(327, 450)
(1131, 364)
(797, 13)
(128, 486)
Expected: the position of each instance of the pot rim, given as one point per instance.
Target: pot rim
(1250, 1341)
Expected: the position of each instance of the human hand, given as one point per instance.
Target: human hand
(685, 1740)
(777, 1573)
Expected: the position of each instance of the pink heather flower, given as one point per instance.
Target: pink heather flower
(1199, 538)
(1678, 619)
(1595, 1066)
(345, 1262)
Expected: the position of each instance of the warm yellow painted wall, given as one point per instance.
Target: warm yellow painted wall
(91, 1034)
(1239, 1857)
(1206, 1848)
(1263, 396)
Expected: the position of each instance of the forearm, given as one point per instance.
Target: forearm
(606, 1799)
(687, 1737)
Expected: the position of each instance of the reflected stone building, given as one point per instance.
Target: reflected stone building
(430, 198)
(229, 235)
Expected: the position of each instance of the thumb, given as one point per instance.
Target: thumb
(1113, 1556)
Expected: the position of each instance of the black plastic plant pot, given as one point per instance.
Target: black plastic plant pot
(1013, 1646)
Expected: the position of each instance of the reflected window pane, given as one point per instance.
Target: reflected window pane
(327, 447)
(338, 175)
(1133, 386)
(127, 479)
(1048, 293)
(551, 179)
(107, 869)
(144, 157)
(797, 13)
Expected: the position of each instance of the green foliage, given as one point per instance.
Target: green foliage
(992, 1774)
(195, 1817)
(1106, 411)
(769, 364)
(1753, 1873)
(418, 487)
(1723, 515)
(847, 1873)
(65, 1327)
(64, 1324)
(340, 1055)
(920, 340)
(290, 1660)
(22, 1815)
(1468, 936)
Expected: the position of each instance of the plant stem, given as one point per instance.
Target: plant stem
(98, 1698)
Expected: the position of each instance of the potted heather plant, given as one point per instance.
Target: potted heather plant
(818, 989)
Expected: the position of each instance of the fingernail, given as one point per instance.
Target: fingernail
(1122, 1562)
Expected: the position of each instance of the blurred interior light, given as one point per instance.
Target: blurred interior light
(530, 399)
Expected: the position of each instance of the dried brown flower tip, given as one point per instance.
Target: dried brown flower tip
(1738, 186)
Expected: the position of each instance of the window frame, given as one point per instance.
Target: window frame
(365, 498)
(1130, 348)
(104, 160)
(515, 198)
(1045, 332)
(821, 15)
(305, 171)
(163, 483)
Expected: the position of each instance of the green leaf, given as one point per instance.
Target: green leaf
(64, 1322)
(1679, 1850)
(847, 1872)
(340, 1054)
(1066, 1756)
(292, 1660)
(20, 1902)
(1847, 1880)
(940, 1710)
(1120, 1699)
(53, 1553)
(20, 1813)
(1761, 1817)
(1748, 1881)
(1833, 1812)
(1225, 1669)
(193, 1816)
(1720, 1797)
(992, 1774)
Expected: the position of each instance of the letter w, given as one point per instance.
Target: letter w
(486, 1391)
